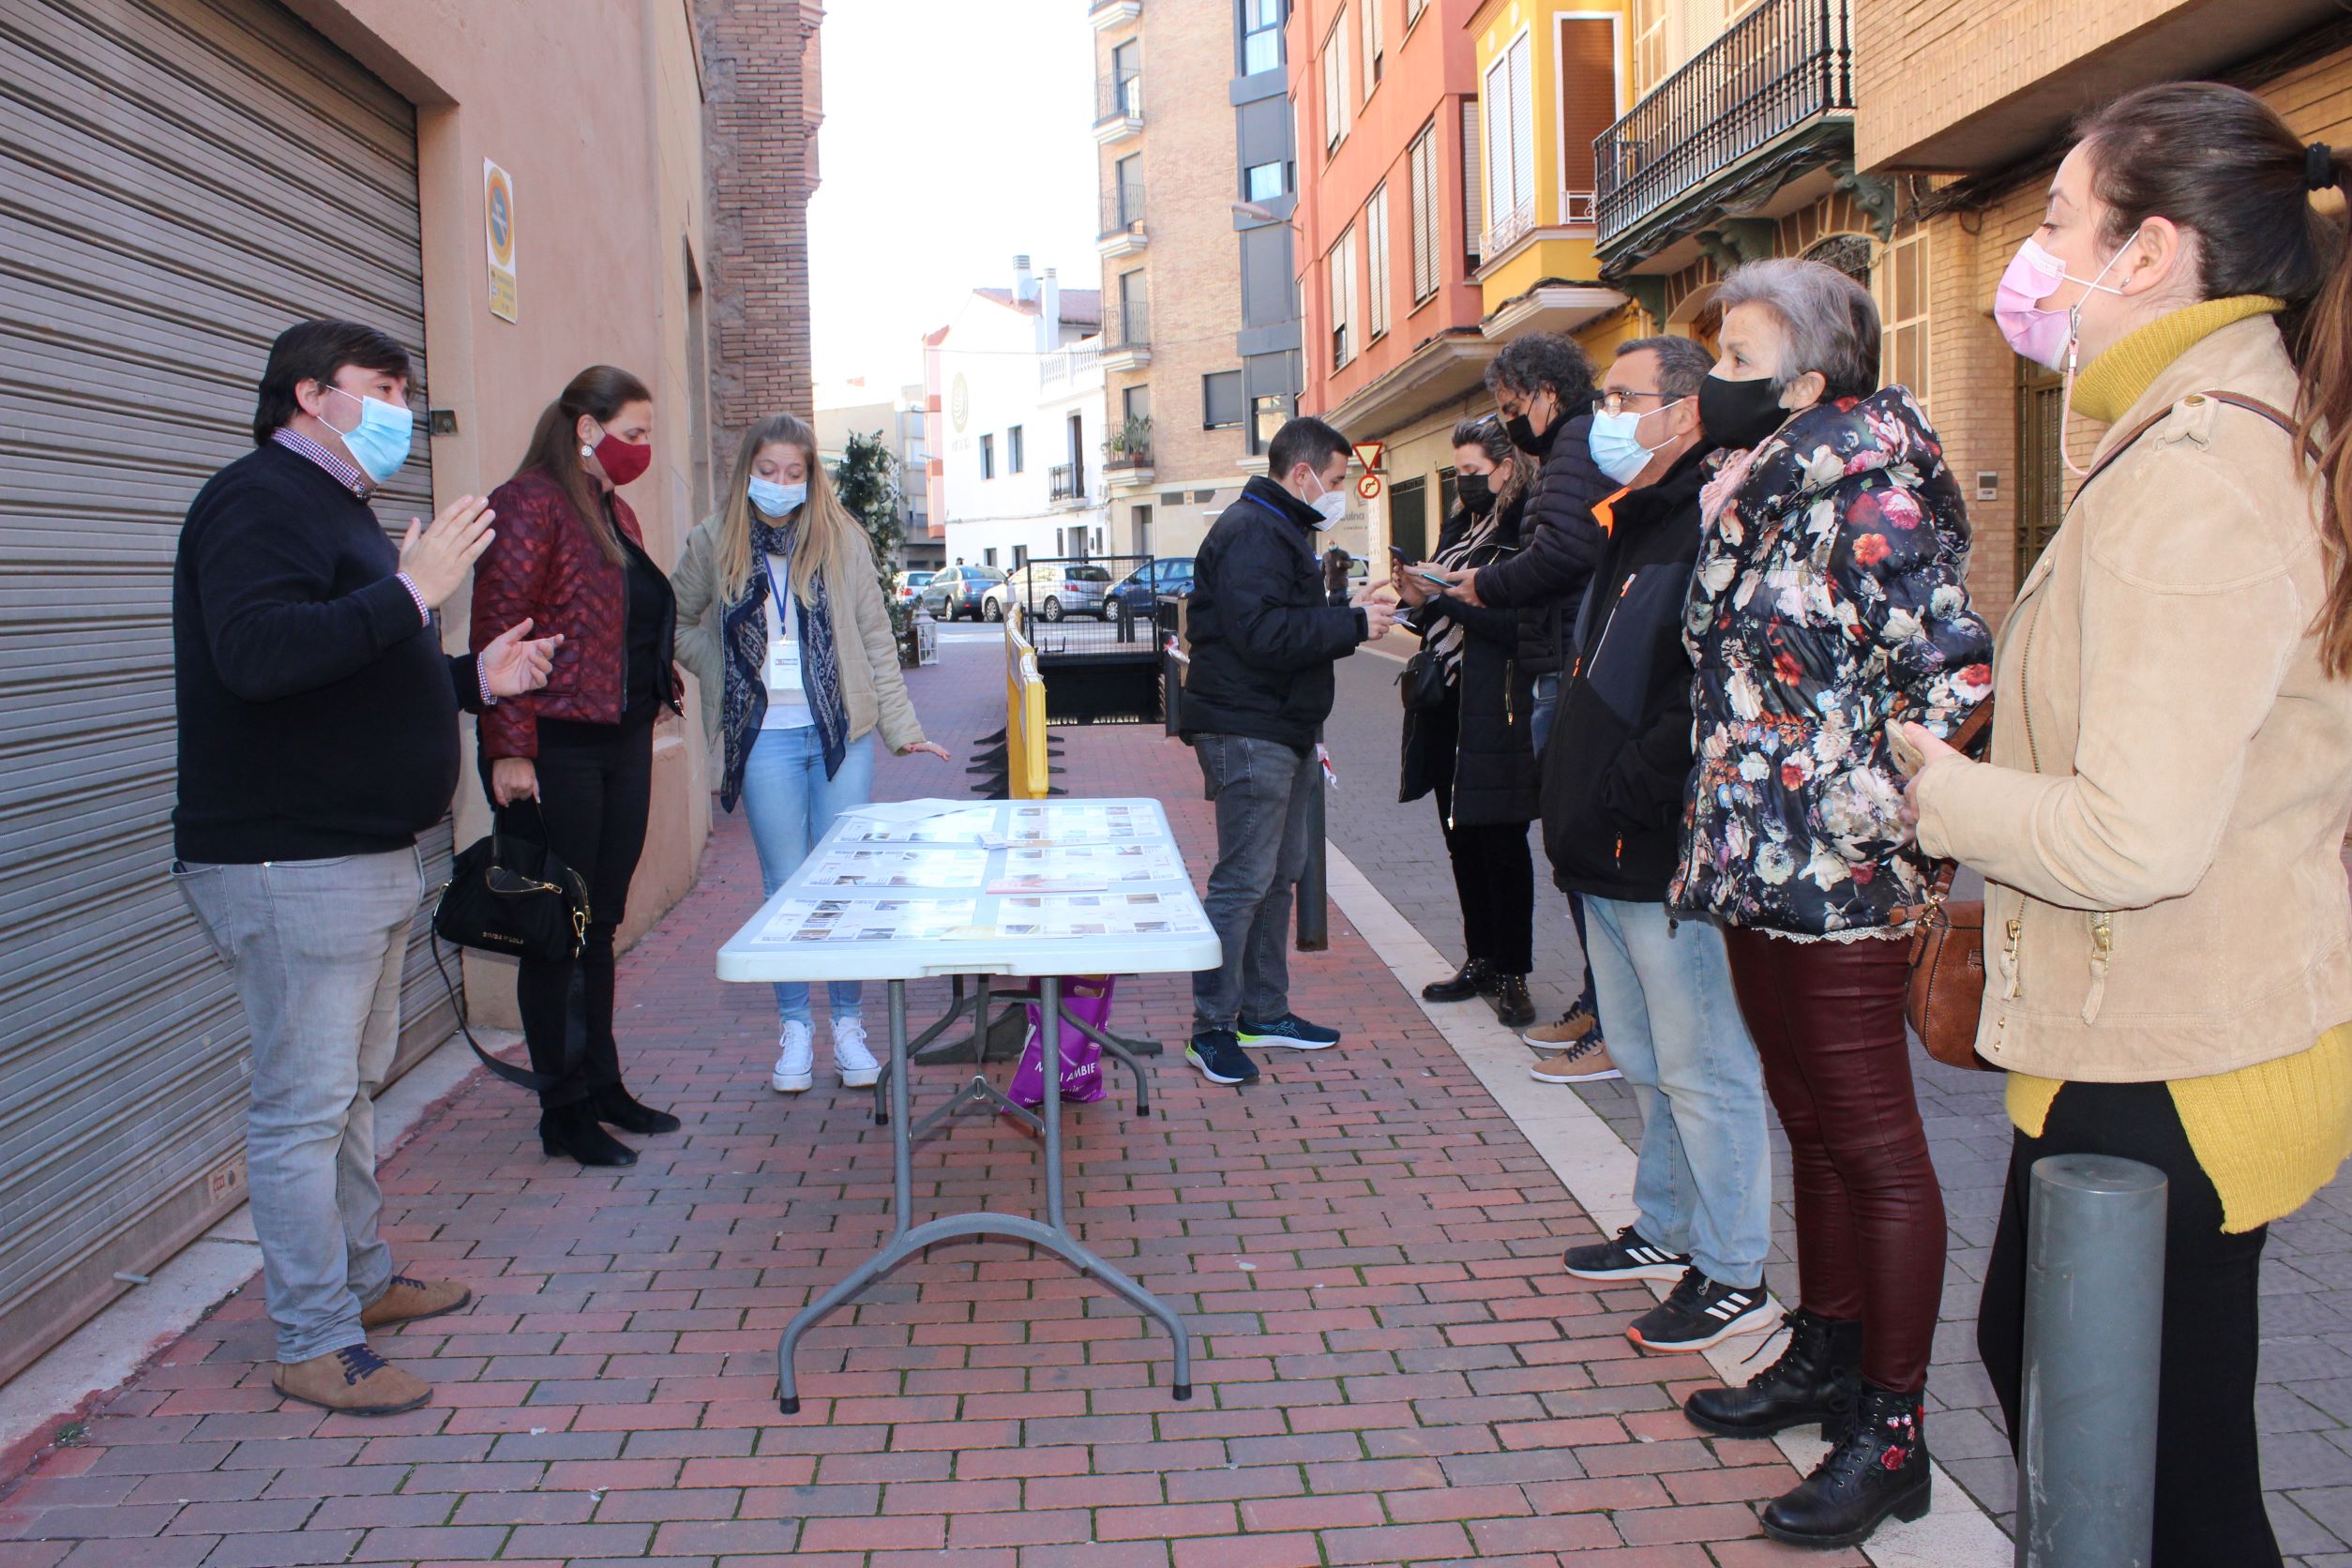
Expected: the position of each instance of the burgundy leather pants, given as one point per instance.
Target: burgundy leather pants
(1827, 1022)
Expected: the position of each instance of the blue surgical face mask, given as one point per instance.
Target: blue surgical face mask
(379, 443)
(1616, 442)
(774, 500)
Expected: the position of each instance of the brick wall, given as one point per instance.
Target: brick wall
(1974, 376)
(1924, 65)
(761, 113)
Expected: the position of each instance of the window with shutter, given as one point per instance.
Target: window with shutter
(1510, 147)
(1341, 265)
(1336, 112)
(1421, 171)
(1900, 281)
(1370, 11)
(1588, 107)
(1473, 209)
(1377, 262)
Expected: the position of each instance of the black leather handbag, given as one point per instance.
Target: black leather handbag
(511, 896)
(1422, 683)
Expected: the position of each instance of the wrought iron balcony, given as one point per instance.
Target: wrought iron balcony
(1118, 106)
(1787, 65)
(1069, 481)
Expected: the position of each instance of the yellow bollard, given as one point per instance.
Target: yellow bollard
(1024, 713)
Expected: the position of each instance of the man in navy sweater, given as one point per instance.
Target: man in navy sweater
(318, 737)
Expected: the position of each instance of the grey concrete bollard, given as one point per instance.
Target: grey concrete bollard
(2094, 1317)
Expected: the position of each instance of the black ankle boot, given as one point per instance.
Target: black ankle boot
(1510, 1001)
(572, 1129)
(1469, 981)
(1879, 1468)
(1816, 1378)
(613, 1103)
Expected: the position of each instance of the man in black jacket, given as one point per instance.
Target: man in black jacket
(318, 736)
(1259, 687)
(1612, 795)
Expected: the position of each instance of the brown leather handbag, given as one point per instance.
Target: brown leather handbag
(1946, 996)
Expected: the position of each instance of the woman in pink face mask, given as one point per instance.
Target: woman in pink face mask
(2161, 822)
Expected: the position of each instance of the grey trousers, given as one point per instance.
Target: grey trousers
(316, 947)
(1262, 789)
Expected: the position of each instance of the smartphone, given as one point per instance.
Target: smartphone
(1399, 554)
(1433, 578)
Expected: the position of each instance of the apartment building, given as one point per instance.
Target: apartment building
(1386, 100)
(855, 407)
(1197, 185)
(1013, 404)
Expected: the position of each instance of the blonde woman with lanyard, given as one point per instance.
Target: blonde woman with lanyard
(782, 619)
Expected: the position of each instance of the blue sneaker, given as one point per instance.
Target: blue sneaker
(1289, 1032)
(1219, 1058)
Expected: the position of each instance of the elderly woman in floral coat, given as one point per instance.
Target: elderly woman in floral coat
(1826, 605)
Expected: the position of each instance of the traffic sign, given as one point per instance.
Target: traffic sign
(1369, 486)
(1368, 452)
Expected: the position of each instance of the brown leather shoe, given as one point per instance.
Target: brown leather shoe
(354, 1381)
(405, 1300)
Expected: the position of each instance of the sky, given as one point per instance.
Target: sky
(956, 137)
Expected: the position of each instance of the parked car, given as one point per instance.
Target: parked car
(1050, 590)
(904, 585)
(1134, 593)
(955, 593)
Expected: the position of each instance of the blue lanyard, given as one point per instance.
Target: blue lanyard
(777, 595)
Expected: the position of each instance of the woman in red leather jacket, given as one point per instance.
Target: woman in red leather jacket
(572, 765)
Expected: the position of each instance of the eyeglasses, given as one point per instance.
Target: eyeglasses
(1617, 402)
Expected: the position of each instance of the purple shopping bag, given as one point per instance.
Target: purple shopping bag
(1083, 996)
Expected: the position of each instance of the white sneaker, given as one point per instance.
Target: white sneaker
(795, 1061)
(850, 1059)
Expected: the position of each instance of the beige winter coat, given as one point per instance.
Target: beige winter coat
(2162, 817)
(872, 689)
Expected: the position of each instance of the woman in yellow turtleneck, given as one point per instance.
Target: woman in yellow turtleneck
(2161, 824)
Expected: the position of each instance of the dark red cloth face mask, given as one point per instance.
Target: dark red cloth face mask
(624, 461)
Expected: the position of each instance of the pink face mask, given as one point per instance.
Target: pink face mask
(2033, 276)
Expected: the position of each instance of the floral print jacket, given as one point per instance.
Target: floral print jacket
(1828, 603)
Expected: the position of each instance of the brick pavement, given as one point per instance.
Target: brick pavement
(2306, 1397)
(1395, 1369)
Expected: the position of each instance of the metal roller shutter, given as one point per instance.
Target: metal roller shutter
(180, 179)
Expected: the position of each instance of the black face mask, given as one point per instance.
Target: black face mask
(1475, 492)
(1740, 414)
(1523, 435)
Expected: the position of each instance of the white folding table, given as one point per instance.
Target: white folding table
(1038, 890)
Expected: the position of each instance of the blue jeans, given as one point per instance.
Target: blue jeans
(316, 947)
(1544, 707)
(1704, 1183)
(792, 803)
(1262, 789)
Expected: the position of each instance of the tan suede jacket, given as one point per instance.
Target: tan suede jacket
(2162, 817)
(873, 688)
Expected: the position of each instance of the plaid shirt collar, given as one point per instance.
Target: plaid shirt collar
(346, 475)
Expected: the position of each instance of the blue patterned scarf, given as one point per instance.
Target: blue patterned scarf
(743, 626)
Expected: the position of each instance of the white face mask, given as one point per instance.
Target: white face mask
(1331, 504)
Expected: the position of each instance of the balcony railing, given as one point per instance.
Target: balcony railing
(1125, 462)
(1118, 98)
(1510, 226)
(1123, 209)
(1135, 324)
(1069, 481)
(1075, 363)
(1783, 63)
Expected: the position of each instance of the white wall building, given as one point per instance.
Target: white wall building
(1014, 389)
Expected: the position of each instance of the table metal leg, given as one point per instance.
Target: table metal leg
(906, 1240)
(1123, 1049)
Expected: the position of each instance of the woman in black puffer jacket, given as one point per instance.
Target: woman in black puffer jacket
(1472, 750)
